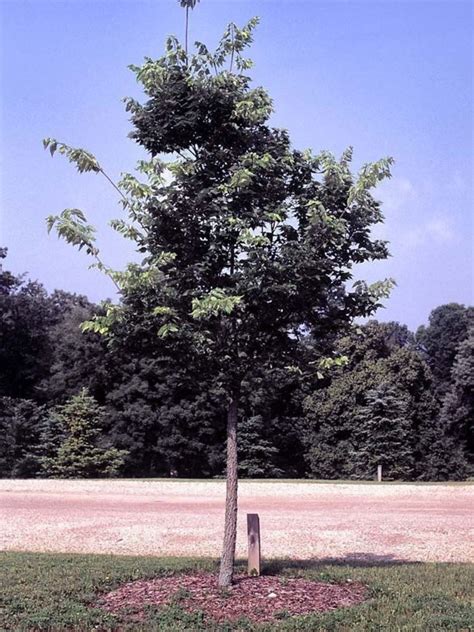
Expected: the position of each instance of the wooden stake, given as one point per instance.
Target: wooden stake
(253, 532)
(379, 473)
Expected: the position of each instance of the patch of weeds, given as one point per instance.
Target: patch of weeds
(180, 595)
(173, 617)
(282, 614)
(239, 625)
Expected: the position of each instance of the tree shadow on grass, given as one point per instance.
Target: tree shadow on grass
(352, 560)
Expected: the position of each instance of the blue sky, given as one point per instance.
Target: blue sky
(389, 78)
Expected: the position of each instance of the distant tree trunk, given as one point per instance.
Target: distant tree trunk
(230, 526)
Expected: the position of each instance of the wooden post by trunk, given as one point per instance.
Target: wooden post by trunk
(379, 473)
(230, 525)
(253, 532)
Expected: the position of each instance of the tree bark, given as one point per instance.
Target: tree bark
(230, 526)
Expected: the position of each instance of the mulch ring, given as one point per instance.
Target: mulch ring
(259, 599)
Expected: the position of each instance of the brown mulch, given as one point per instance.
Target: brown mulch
(259, 599)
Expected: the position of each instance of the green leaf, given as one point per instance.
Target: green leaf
(82, 159)
(162, 310)
(213, 304)
(166, 329)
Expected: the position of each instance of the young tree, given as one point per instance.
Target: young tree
(256, 453)
(80, 455)
(382, 435)
(20, 421)
(249, 244)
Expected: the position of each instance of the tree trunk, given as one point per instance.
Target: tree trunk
(230, 527)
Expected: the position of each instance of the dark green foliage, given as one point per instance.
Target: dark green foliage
(381, 428)
(20, 421)
(79, 455)
(188, 4)
(43, 353)
(161, 406)
(51, 435)
(448, 327)
(8, 281)
(411, 377)
(374, 341)
(78, 359)
(169, 422)
(251, 242)
(382, 355)
(270, 428)
(457, 414)
(257, 454)
(25, 349)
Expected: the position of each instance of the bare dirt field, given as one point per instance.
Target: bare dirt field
(298, 519)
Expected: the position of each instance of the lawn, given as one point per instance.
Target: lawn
(41, 591)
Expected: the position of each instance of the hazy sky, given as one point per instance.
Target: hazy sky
(389, 78)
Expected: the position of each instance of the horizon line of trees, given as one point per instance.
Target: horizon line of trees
(73, 406)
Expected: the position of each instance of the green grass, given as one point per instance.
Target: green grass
(57, 592)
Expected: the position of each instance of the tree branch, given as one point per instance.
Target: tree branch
(106, 269)
(115, 186)
(232, 50)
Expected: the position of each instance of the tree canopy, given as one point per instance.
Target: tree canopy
(448, 327)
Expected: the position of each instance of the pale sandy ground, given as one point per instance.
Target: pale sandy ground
(298, 520)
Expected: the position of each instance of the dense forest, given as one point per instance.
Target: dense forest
(73, 405)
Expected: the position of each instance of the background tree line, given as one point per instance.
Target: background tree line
(72, 405)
